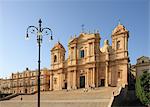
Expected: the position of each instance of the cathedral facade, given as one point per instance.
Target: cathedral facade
(88, 65)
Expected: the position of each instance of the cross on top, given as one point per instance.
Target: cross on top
(82, 28)
(119, 22)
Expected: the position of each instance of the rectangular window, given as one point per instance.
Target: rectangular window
(33, 82)
(55, 80)
(82, 53)
(119, 75)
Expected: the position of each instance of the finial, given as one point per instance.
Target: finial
(97, 31)
(82, 28)
(40, 21)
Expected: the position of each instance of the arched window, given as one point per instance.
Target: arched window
(55, 58)
(118, 45)
(71, 55)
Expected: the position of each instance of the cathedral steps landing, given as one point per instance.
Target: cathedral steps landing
(100, 97)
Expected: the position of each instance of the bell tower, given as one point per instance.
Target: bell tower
(57, 67)
(120, 37)
(57, 56)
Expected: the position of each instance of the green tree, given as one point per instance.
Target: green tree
(143, 88)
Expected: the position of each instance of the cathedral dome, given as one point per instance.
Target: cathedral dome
(58, 45)
(119, 29)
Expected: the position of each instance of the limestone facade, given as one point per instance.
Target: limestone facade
(143, 64)
(88, 65)
(25, 82)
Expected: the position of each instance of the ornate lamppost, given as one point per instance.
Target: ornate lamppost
(39, 32)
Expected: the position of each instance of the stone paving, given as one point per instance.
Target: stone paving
(100, 97)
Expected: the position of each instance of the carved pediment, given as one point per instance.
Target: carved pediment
(143, 59)
(58, 45)
(119, 29)
(73, 41)
(81, 36)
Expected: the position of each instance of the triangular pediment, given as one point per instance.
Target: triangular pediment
(119, 29)
(143, 58)
(73, 41)
(81, 36)
(58, 45)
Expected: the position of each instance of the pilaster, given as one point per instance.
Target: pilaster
(68, 81)
(87, 78)
(75, 80)
(93, 80)
(51, 82)
(106, 75)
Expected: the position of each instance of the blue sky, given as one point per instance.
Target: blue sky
(65, 18)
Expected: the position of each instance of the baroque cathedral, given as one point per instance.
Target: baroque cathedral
(88, 65)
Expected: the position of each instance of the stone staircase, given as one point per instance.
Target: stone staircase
(100, 97)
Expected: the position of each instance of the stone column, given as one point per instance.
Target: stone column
(97, 68)
(87, 79)
(51, 82)
(124, 74)
(68, 81)
(78, 79)
(109, 77)
(106, 75)
(93, 77)
(75, 80)
(60, 81)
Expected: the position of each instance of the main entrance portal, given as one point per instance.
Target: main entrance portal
(102, 82)
(82, 81)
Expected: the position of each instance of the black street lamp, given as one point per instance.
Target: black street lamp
(39, 31)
